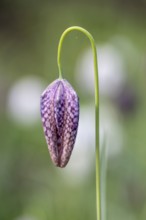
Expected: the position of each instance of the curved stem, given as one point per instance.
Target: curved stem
(89, 36)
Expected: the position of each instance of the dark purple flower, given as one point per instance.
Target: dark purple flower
(127, 100)
(60, 116)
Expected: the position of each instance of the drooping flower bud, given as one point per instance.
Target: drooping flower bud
(60, 116)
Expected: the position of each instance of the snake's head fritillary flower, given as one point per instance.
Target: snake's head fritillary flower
(60, 116)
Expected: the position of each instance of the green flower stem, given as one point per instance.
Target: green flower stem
(103, 167)
(89, 36)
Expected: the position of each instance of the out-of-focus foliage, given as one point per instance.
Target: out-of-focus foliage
(31, 188)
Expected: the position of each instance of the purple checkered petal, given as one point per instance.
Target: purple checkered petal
(60, 116)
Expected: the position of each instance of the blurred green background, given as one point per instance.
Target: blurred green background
(31, 188)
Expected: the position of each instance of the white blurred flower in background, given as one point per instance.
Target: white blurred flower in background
(129, 50)
(23, 104)
(111, 66)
